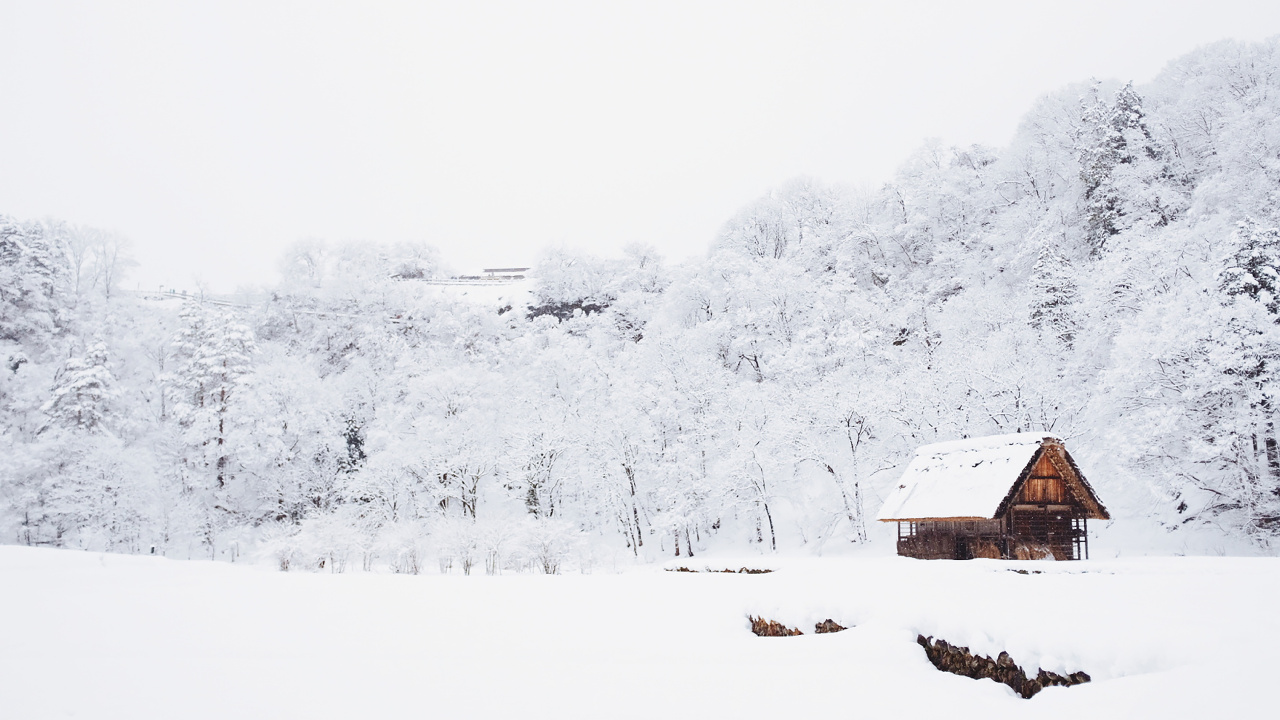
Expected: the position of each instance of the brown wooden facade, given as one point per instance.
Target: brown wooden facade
(1044, 516)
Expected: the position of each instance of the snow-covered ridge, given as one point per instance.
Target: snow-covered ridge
(988, 442)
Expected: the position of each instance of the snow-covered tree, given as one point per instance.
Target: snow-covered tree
(1053, 296)
(214, 359)
(1110, 275)
(83, 388)
(31, 270)
(1253, 270)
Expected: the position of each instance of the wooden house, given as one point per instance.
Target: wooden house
(1007, 496)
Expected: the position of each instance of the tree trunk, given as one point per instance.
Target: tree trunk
(773, 538)
(222, 461)
(1269, 444)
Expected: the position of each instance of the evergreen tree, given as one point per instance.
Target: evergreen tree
(1097, 151)
(84, 385)
(215, 352)
(1111, 136)
(30, 270)
(354, 457)
(1129, 127)
(1253, 270)
(1054, 294)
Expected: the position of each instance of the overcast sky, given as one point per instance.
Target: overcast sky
(214, 134)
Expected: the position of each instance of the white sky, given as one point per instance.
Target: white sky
(214, 134)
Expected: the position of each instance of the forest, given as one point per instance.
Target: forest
(1109, 277)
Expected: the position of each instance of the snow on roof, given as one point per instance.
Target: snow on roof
(961, 478)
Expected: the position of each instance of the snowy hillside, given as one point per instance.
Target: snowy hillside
(110, 636)
(1111, 277)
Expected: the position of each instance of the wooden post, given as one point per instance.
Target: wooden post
(1085, 528)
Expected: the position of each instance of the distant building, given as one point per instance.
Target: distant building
(507, 273)
(1006, 496)
(494, 275)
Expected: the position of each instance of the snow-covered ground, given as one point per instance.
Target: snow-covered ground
(90, 635)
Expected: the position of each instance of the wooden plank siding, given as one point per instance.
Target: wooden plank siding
(952, 539)
(1044, 484)
(1048, 525)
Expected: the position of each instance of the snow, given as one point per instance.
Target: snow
(489, 294)
(960, 478)
(108, 636)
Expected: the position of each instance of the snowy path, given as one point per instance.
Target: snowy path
(104, 636)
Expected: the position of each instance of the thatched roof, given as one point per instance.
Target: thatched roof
(977, 478)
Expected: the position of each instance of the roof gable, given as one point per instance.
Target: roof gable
(1076, 484)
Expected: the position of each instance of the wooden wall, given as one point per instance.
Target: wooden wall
(928, 546)
(1048, 526)
(1044, 485)
(953, 540)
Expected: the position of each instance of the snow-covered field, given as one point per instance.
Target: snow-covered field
(90, 635)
